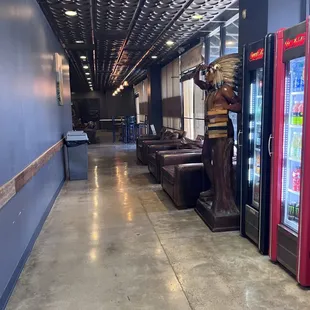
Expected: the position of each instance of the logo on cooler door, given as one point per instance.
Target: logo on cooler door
(257, 55)
(299, 40)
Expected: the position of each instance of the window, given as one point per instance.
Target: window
(137, 109)
(193, 101)
(199, 111)
(188, 102)
(231, 46)
(231, 36)
(170, 89)
(214, 45)
(141, 101)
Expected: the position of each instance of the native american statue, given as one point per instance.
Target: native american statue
(221, 87)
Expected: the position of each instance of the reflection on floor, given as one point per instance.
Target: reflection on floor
(116, 242)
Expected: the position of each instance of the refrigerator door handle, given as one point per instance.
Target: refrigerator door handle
(269, 145)
(238, 139)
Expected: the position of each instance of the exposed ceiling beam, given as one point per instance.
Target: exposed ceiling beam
(131, 26)
(80, 47)
(173, 20)
(92, 21)
(104, 34)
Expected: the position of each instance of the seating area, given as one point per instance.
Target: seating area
(176, 163)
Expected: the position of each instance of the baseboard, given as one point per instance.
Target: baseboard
(19, 268)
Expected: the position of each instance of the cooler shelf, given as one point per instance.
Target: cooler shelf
(293, 192)
(296, 160)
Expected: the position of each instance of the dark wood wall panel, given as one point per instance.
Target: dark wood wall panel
(12, 187)
(172, 107)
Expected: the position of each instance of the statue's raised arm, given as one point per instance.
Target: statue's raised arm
(201, 84)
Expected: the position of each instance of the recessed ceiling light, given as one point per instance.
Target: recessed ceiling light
(169, 42)
(197, 17)
(154, 57)
(71, 13)
(88, 78)
(87, 73)
(85, 67)
(83, 57)
(79, 41)
(121, 87)
(126, 83)
(230, 43)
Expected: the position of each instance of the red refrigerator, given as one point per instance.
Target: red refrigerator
(290, 182)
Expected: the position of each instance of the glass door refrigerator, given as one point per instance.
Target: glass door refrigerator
(290, 216)
(256, 129)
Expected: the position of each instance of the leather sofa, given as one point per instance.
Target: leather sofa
(149, 147)
(166, 137)
(157, 160)
(182, 178)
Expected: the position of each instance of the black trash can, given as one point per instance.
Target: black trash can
(77, 150)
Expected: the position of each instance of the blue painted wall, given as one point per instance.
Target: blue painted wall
(30, 122)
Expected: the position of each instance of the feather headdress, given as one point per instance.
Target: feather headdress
(227, 70)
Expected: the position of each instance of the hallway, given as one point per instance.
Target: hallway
(117, 242)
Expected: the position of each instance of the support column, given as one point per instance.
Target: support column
(155, 114)
(257, 18)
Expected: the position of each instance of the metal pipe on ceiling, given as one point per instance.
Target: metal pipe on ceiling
(92, 10)
(170, 24)
(131, 26)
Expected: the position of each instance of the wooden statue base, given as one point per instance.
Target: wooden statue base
(216, 222)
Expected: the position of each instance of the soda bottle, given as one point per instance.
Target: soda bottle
(293, 152)
(296, 179)
(290, 213)
(260, 89)
(258, 138)
(298, 146)
(298, 81)
(294, 81)
(296, 213)
(295, 113)
(257, 163)
(256, 191)
(300, 114)
(259, 110)
(302, 86)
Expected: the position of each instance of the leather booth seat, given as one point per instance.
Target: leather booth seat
(166, 136)
(148, 147)
(157, 160)
(182, 178)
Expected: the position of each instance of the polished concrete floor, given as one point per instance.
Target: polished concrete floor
(116, 242)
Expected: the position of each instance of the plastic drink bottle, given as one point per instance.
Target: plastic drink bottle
(293, 148)
(300, 113)
(294, 114)
(298, 146)
(296, 179)
(296, 213)
(290, 213)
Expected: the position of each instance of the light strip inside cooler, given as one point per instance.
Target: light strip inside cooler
(255, 136)
(251, 129)
(292, 142)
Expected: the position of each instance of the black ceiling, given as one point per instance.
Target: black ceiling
(118, 37)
